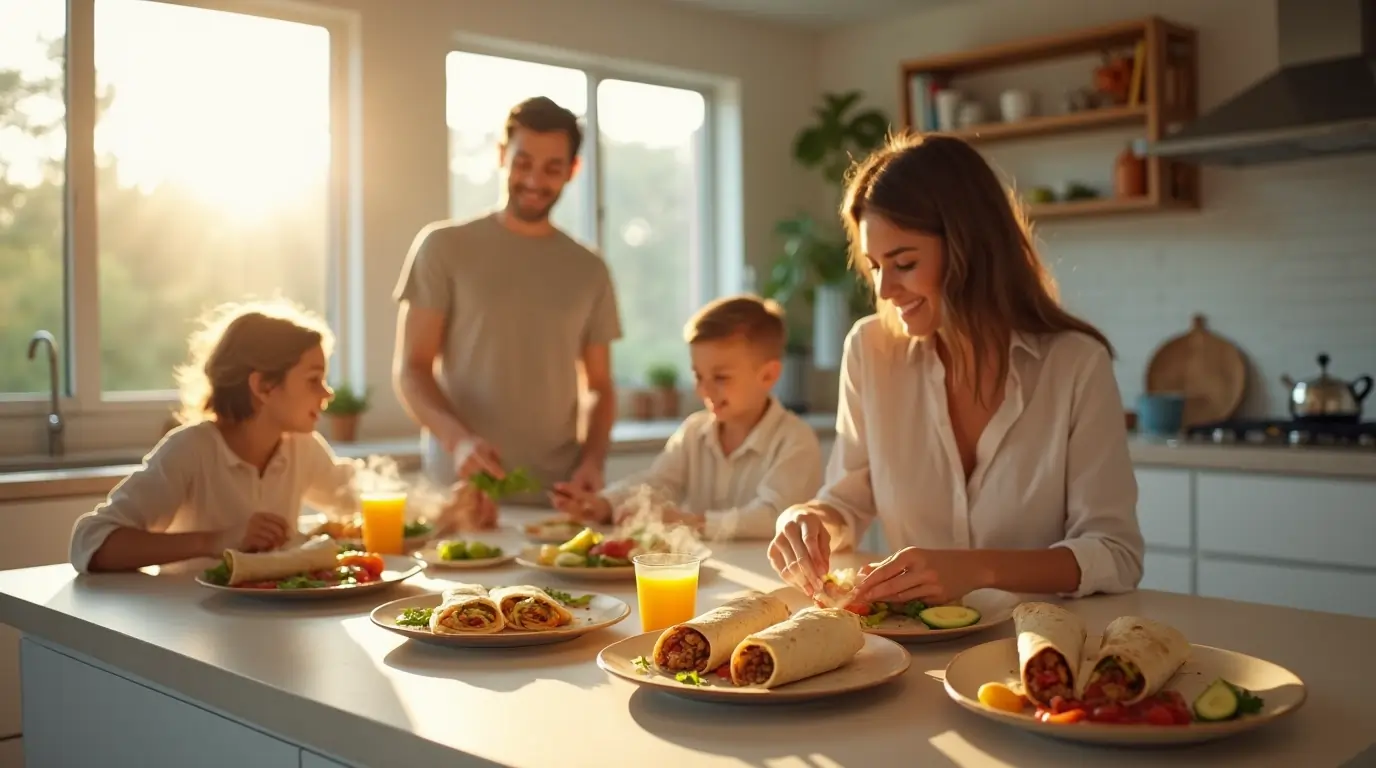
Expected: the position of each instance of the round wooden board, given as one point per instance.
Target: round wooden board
(1207, 369)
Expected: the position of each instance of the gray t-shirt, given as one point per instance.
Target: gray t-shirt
(519, 311)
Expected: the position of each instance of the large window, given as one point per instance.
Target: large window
(638, 198)
(158, 158)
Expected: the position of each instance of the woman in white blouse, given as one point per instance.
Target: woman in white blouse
(979, 422)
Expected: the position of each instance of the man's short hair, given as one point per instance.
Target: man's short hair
(542, 115)
(759, 321)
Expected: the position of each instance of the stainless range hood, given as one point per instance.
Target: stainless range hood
(1321, 102)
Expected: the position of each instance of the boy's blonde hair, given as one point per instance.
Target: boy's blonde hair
(759, 321)
(236, 340)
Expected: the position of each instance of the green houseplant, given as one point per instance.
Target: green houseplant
(813, 264)
(663, 380)
(345, 410)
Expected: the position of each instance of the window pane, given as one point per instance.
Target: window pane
(481, 90)
(651, 143)
(33, 148)
(213, 146)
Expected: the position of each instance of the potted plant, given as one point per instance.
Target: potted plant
(791, 388)
(663, 380)
(344, 412)
(814, 263)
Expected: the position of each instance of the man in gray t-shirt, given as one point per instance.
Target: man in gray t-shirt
(514, 312)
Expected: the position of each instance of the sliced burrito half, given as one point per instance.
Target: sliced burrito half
(466, 609)
(706, 642)
(1135, 660)
(317, 554)
(530, 609)
(1051, 642)
(811, 642)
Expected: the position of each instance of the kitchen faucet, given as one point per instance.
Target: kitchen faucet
(54, 420)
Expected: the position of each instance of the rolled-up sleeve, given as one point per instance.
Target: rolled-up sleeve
(793, 476)
(847, 489)
(146, 500)
(666, 478)
(1101, 489)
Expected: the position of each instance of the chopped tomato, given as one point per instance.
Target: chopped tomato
(1160, 715)
(724, 671)
(373, 564)
(615, 548)
(1108, 713)
(259, 585)
(1059, 718)
(863, 609)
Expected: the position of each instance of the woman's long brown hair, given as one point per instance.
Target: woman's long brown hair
(995, 282)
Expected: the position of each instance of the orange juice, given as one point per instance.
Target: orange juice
(666, 587)
(384, 520)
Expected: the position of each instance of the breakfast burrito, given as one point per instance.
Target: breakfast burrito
(530, 609)
(1136, 659)
(466, 609)
(1051, 642)
(706, 642)
(317, 554)
(811, 642)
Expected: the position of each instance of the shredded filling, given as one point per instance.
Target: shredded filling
(529, 613)
(1048, 677)
(1113, 680)
(683, 650)
(474, 616)
(753, 666)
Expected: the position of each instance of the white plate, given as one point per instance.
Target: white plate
(602, 612)
(397, 568)
(878, 662)
(530, 558)
(997, 661)
(432, 558)
(995, 609)
(540, 533)
(408, 544)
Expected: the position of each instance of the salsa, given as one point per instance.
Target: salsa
(1164, 708)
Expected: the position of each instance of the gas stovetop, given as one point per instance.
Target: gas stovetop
(1326, 434)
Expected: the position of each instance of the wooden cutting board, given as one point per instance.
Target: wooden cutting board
(1206, 368)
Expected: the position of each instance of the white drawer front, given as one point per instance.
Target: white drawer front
(1163, 506)
(1314, 589)
(1318, 520)
(1166, 572)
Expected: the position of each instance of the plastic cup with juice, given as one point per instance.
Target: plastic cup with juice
(666, 586)
(384, 521)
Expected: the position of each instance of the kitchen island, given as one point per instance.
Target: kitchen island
(136, 669)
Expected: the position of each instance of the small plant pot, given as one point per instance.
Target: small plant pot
(668, 402)
(344, 427)
(643, 402)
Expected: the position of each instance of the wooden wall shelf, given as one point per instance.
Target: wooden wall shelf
(1168, 93)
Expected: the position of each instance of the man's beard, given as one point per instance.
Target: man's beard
(526, 214)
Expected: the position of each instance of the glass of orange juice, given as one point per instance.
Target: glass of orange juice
(384, 520)
(666, 586)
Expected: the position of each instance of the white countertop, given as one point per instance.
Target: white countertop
(319, 674)
(1311, 461)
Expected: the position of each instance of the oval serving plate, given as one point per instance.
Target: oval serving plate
(602, 612)
(398, 568)
(530, 558)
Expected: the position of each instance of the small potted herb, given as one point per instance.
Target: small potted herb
(663, 379)
(344, 412)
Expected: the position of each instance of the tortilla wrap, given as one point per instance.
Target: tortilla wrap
(317, 554)
(722, 629)
(811, 642)
(1157, 651)
(530, 609)
(1042, 626)
(463, 597)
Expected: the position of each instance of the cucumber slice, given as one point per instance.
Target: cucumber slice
(1217, 702)
(949, 617)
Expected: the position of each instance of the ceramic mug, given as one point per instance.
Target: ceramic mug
(1015, 105)
(1160, 413)
(947, 103)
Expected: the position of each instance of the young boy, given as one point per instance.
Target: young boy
(730, 469)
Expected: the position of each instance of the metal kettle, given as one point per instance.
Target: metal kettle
(1327, 398)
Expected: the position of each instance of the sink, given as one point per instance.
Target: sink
(54, 463)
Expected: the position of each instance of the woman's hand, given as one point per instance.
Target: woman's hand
(265, 531)
(584, 506)
(801, 550)
(934, 576)
(469, 509)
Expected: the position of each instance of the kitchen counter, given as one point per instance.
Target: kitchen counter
(1309, 461)
(319, 676)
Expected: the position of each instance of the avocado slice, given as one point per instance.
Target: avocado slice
(949, 616)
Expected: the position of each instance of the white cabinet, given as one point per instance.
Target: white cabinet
(35, 533)
(1316, 520)
(1167, 572)
(77, 715)
(1163, 506)
(1290, 585)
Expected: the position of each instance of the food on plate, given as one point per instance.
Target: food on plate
(1137, 657)
(518, 480)
(415, 617)
(467, 550)
(839, 585)
(811, 642)
(590, 549)
(352, 529)
(1001, 697)
(467, 609)
(415, 529)
(1224, 701)
(707, 641)
(316, 564)
(1051, 642)
(530, 608)
(948, 616)
(567, 600)
(561, 528)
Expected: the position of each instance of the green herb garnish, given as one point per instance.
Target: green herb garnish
(691, 677)
(874, 619)
(301, 582)
(417, 528)
(1247, 702)
(415, 617)
(219, 575)
(913, 607)
(567, 599)
(518, 480)
(642, 665)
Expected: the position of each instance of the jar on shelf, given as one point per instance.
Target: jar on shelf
(1130, 173)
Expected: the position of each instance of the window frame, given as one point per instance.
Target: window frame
(596, 69)
(85, 407)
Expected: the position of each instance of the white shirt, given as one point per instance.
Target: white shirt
(1052, 467)
(192, 481)
(741, 495)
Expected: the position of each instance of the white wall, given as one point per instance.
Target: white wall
(1280, 259)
